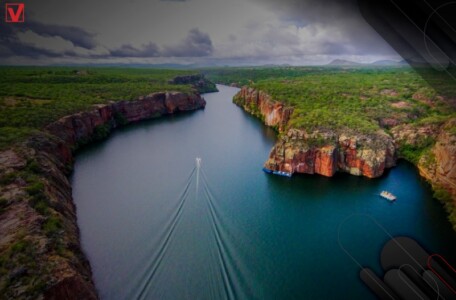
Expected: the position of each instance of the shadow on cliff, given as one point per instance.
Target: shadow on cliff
(98, 146)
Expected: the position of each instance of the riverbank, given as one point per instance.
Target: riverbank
(325, 151)
(40, 249)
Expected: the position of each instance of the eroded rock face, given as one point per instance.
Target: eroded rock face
(413, 135)
(325, 153)
(260, 104)
(38, 228)
(317, 152)
(79, 127)
(440, 167)
(445, 156)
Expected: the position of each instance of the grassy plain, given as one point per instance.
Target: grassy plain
(31, 97)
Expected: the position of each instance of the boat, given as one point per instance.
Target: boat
(388, 196)
(266, 170)
(281, 173)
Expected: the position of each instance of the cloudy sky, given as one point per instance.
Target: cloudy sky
(223, 32)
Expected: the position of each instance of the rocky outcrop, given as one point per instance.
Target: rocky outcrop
(318, 152)
(326, 153)
(198, 81)
(443, 171)
(81, 127)
(438, 166)
(409, 134)
(40, 253)
(260, 104)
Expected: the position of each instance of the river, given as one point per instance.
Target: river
(155, 227)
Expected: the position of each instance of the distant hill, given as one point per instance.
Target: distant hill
(343, 62)
(389, 63)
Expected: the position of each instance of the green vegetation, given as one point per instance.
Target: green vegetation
(120, 119)
(31, 97)
(52, 225)
(413, 153)
(241, 76)
(20, 257)
(340, 98)
(444, 196)
(8, 178)
(101, 132)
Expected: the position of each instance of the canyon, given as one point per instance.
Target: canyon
(40, 251)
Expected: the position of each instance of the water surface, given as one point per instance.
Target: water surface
(154, 228)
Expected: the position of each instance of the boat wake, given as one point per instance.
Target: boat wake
(165, 240)
(198, 226)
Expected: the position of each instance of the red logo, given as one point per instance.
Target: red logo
(14, 13)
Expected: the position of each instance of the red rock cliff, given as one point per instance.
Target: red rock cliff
(41, 257)
(324, 153)
(80, 127)
(327, 153)
(260, 104)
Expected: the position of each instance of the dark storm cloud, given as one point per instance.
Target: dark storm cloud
(196, 44)
(78, 36)
(126, 50)
(10, 45)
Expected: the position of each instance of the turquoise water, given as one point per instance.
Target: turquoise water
(154, 227)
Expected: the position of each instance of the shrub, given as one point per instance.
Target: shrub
(38, 199)
(35, 188)
(20, 246)
(33, 166)
(8, 178)
(52, 225)
(442, 194)
(101, 132)
(120, 119)
(413, 153)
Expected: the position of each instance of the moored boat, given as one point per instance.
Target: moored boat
(281, 173)
(387, 195)
(266, 170)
